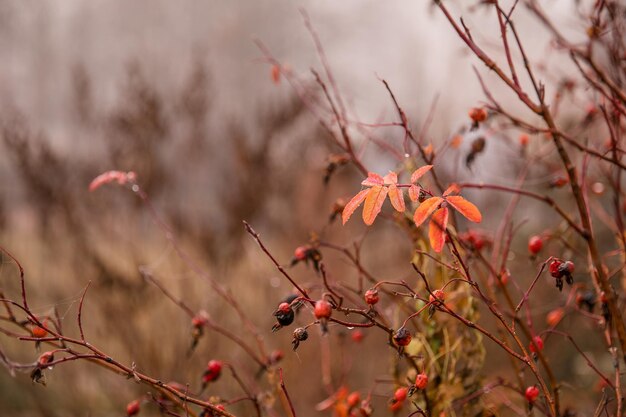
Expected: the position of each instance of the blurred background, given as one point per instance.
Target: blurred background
(179, 93)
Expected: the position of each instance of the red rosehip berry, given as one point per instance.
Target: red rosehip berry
(357, 336)
(371, 296)
(437, 297)
(199, 321)
(531, 393)
(400, 394)
(421, 380)
(300, 253)
(322, 309)
(554, 317)
(477, 114)
(523, 139)
(402, 337)
(39, 331)
(45, 358)
(538, 342)
(554, 268)
(353, 399)
(212, 372)
(535, 243)
(133, 408)
(276, 356)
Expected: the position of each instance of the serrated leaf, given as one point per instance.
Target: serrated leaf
(467, 209)
(396, 196)
(373, 179)
(437, 229)
(414, 193)
(453, 188)
(391, 178)
(425, 209)
(419, 172)
(373, 203)
(352, 205)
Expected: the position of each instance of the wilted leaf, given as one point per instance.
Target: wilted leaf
(414, 193)
(419, 172)
(437, 229)
(391, 178)
(467, 209)
(425, 209)
(353, 205)
(373, 203)
(373, 179)
(396, 196)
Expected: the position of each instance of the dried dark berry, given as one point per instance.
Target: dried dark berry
(299, 335)
(284, 316)
(402, 337)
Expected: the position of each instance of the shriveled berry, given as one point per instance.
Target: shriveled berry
(586, 299)
(537, 345)
(402, 337)
(322, 309)
(535, 243)
(299, 335)
(531, 393)
(421, 380)
(371, 296)
(133, 408)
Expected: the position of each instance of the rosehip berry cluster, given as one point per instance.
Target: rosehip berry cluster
(560, 270)
(586, 299)
(474, 239)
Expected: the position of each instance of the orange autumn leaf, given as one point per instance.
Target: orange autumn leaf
(419, 172)
(425, 209)
(373, 179)
(373, 203)
(452, 189)
(391, 178)
(467, 209)
(437, 229)
(414, 193)
(396, 196)
(353, 205)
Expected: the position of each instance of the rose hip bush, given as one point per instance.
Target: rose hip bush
(464, 294)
